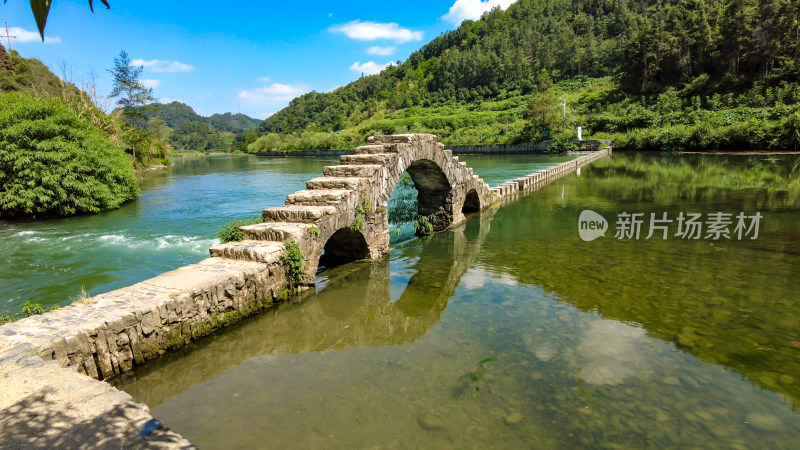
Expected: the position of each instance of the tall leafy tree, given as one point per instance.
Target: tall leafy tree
(131, 94)
(542, 109)
(127, 86)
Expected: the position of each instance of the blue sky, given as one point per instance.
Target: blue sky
(220, 56)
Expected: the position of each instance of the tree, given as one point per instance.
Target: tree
(127, 86)
(132, 94)
(542, 106)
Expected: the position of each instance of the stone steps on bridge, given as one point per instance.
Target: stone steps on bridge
(352, 183)
(256, 251)
(372, 149)
(350, 171)
(369, 158)
(277, 231)
(319, 197)
(297, 213)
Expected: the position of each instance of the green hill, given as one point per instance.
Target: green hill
(27, 75)
(652, 73)
(188, 131)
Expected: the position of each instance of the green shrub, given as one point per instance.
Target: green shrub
(53, 163)
(363, 210)
(231, 232)
(6, 317)
(30, 308)
(295, 262)
(561, 145)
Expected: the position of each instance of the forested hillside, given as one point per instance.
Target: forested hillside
(188, 131)
(647, 71)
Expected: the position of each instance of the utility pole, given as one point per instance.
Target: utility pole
(8, 37)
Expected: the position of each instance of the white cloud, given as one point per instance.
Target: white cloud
(266, 115)
(262, 79)
(161, 65)
(369, 68)
(24, 36)
(150, 83)
(473, 9)
(378, 50)
(274, 93)
(370, 31)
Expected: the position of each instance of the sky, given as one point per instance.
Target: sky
(252, 57)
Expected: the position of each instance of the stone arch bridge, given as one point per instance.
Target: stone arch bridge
(342, 216)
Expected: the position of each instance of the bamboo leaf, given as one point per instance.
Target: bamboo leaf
(103, 1)
(41, 8)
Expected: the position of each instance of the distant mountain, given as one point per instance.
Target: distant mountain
(187, 130)
(236, 123)
(176, 114)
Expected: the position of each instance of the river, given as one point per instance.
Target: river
(172, 224)
(510, 331)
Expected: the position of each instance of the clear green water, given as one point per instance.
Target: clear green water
(172, 224)
(511, 332)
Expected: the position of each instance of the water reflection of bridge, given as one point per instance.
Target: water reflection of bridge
(354, 310)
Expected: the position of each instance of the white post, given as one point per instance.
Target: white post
(580, 133)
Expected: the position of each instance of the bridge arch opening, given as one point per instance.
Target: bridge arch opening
(472, 202)
(433, 188)
(342, 247)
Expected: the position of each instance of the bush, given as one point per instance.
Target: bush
(53, 163)
(6, 317)
(295, 262)
(28, 309)
(561, 145)
(231, 232)
(31, 309)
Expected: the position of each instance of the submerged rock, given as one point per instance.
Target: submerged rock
(430, 421)
(513, 418)
(763, 421)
